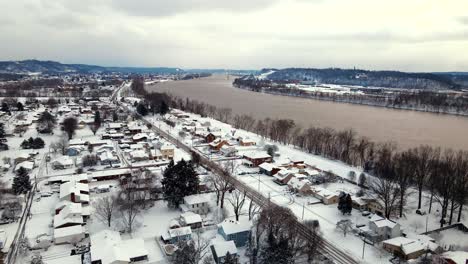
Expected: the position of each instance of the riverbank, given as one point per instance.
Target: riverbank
(350, 100)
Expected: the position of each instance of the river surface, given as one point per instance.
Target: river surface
(406, 128)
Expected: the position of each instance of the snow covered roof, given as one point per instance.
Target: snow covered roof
(257, 155)
(191, 218)
(28, 165)
(105, 173)
(411, 245)
(140, 136)
(64, 161)
(62, 219)
(76, 141)
(233, 227)
(167, 147)
(223, 247)
(68, 231)
(138, 154)
(73, 187)
(108, 247)
(267, 166)
(385, 223)
(182, 231)
(297, 183)
(459, 257)
(196, 199)
(323, 192)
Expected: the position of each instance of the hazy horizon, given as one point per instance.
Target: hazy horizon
(415, 36)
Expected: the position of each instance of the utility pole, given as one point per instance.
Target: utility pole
(303, 208)
(363, 247)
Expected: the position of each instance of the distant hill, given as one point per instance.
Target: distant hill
(53, 67)
(388, 79)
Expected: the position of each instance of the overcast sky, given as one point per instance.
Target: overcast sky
(409, 35)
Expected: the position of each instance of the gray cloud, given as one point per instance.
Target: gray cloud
(158, 8)
(463, 20)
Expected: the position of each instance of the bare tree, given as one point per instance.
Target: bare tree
(253, 209)
(192, 251)
(221, 185)
(404, 172)
(237, 200)
(129, 205)
(315, 239)
(423, 157)
(105, 209)
(386, 192)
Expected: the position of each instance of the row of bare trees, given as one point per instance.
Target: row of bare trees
(444, 174)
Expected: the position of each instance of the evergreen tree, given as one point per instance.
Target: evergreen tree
(5, 107)
(362, 179)
(97, 122)
(38, 143)
(2, 130)
(163, 108)
(141, 109)
(19, 106)
(47, 122)
(70, 124)
(345, 203)
(21, 182)
(179, 181)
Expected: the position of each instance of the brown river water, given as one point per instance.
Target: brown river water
(406, 128)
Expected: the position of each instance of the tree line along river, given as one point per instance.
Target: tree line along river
(406, 128)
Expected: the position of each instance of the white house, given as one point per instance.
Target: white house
(107, 247)
(385, 229)
(71, 234)
(75, 192)
(64, 162)
(197, 203)
(221, 249)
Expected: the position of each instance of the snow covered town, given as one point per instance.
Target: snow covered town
(105, 180)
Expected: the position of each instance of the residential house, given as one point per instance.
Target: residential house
(107, 247)
(410, 248)
(27, 165)
(385, 229)
(454, 257)
(167, 151)
(247, 142)
(217, 144)
(300, 186)
(73, 151)
(177, 234)
(237, 231)
(324, 195)
(74, 192)
(191, 219)
(114, 174)
(197, 203)
(221, 249)
(63, 163)
(257, 157)
(268, 168)
(139, 155)
(283, 176)
(70, 215)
